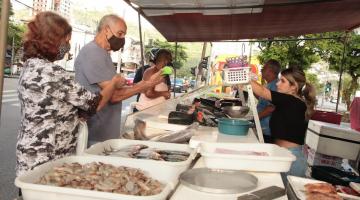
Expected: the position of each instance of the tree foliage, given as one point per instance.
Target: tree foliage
(181, 56)
(332, 51)
(304, 53)
(313, 80)
(288, 53)
(15, 31)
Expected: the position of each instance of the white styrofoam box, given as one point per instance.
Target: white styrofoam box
(333, 139)
(32, 191)
(279, 159)
(171, 170)
(314, 158)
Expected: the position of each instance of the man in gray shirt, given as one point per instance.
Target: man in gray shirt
(94, 70)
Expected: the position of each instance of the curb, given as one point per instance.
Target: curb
(11, 76)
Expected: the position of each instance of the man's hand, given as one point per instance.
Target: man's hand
(118, 81)
(156, 78)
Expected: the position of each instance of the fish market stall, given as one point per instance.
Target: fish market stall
(155, 123)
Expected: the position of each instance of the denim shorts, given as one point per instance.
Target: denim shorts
(298, 167)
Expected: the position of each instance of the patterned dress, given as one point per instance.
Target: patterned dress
(51, 102)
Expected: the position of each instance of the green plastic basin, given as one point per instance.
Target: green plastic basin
(233, 126)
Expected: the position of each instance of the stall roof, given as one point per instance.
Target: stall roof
(216, 20)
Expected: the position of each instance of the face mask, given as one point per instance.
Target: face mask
(63, 49)
(115, 42)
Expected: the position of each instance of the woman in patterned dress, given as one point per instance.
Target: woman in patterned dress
(51, 101)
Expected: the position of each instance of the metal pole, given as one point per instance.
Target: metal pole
(176, 46)
(5, 5)
(200, 69)
(12, 53)
(141, 42)
(209, 67)
(341, 72)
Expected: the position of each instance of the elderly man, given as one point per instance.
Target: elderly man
(269, 73)
(94, 69)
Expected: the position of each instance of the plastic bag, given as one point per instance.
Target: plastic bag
(82, 138)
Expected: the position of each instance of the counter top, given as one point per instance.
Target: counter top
(210, 134)
(264, 180)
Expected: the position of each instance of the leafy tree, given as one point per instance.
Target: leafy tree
(332, 52)
(304, 53)
(288, 53)
(15, 31)
(181, 52)
(313, 79)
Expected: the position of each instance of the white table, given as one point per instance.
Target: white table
(210, 134)
(264, 180)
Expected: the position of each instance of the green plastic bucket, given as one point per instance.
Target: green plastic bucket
(233, 126)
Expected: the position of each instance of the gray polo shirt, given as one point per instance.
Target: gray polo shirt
(93, 65)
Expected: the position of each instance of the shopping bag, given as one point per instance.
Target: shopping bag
(82, 138)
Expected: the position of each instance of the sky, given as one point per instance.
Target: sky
(119, 6)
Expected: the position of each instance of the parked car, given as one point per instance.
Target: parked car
(130, 79)
(180, 85)
(192, 83)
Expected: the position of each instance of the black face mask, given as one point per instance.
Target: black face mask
(116, 43)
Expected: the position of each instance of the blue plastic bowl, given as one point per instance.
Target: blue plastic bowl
(233, 126)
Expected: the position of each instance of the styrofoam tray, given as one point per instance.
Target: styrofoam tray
(171, 170)
(298, 183)
(32, 191)
(278, 159)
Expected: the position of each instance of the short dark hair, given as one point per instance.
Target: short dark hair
(274, 65)
(44, 35)
(161, 54)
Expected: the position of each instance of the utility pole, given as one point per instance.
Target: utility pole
(200, 69)
(5, 5)
(341, 70)
(12, 55)
(176, 47)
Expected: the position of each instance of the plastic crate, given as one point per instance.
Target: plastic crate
(237, 75)
(278, 159)
(236, 62)
(34, 191)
